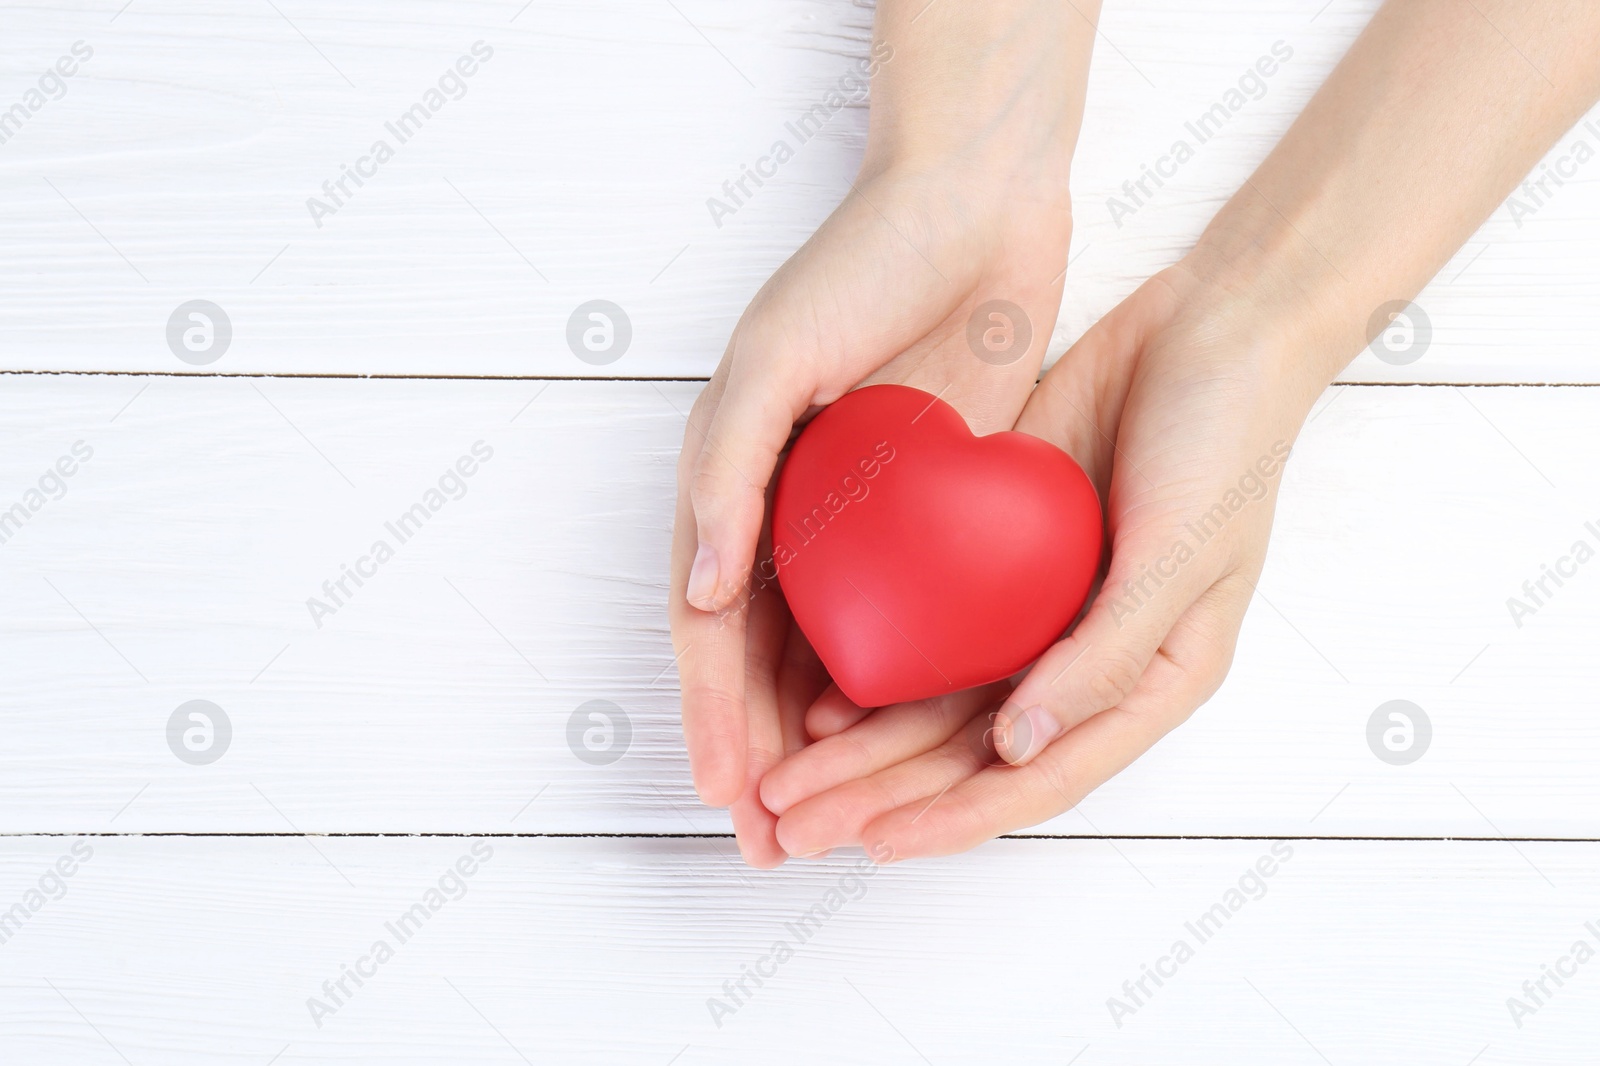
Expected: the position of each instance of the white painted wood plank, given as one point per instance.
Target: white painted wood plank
(179, 562)
(185, 951)
(577, 166)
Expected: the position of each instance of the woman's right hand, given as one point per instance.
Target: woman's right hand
(962, 200)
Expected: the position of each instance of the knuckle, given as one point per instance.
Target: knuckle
(881, 794)
(706, 487)
(1055, 776)
(701, 414)
(957, 813)
(688, 460)
(763, 757)
(860, 752)
(1112, 678)
(715, 704)
(1219, 670)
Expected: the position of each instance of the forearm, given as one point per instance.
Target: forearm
(995, 87)
(1440, 108)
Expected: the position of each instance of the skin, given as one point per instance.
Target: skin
(1169, 402)
(962, 198)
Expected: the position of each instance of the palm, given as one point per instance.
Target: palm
(882, 293)
(1165, 420)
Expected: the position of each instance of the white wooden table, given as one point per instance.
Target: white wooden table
(173, 901)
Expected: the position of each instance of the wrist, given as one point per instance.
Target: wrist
(1008, 204)
(990, 94)
(1256, 264)
(991, 153)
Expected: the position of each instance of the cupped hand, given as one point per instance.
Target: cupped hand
(884, 291)
(1182, 404)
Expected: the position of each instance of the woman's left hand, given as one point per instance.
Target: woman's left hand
(1181, 405)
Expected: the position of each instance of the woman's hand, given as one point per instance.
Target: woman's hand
(882, 292)
(1181, 404)
(962, 199)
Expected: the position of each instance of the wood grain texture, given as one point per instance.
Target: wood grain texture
(438, 696)
(578, 164)
(182, 951)
(176, 561)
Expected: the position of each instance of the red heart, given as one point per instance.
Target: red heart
(920, 559)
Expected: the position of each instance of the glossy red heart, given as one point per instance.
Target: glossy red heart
(919, 559)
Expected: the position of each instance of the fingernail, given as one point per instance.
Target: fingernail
(823, 854)
(702, 588)
(1029, 732)
(700, 793)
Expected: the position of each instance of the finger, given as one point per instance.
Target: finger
(754, 827)
(852, 298)
(889, 736)
(832, 713)
(739, 450)
(801, 678)
(802, 682)
(837, 817)
(1144, 594)
(1077, 406)
(709, 649)
(1004, 799)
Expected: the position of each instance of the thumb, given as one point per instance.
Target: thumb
(727, 480)
(779, 365)
(1154, 577)
(854, 297)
